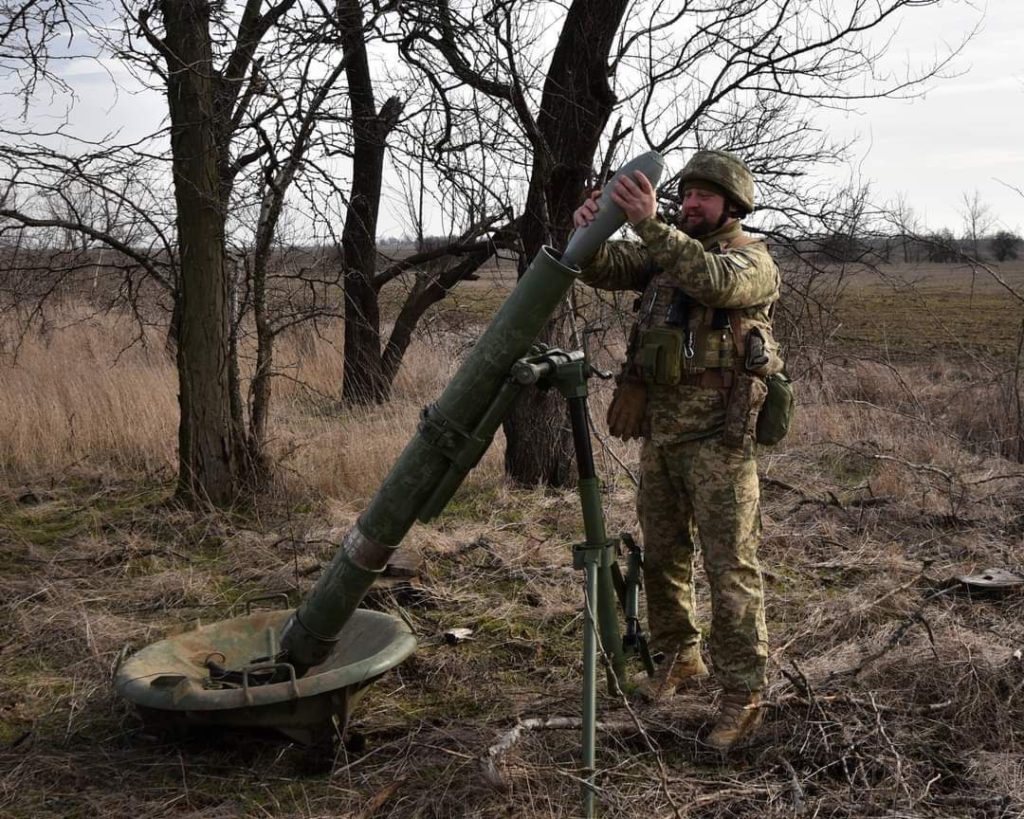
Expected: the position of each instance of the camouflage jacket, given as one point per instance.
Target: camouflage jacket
(727, 270)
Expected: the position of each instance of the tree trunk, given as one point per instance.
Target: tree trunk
(575, 107)
(424, 295)
(173, 328)
(363, 379)
(262, 378)
(208, 454)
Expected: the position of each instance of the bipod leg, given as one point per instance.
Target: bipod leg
(595, 557)
(590, 559)
(593, 526)
(569, 372)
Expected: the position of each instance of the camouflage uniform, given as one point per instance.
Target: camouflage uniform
(691, 481)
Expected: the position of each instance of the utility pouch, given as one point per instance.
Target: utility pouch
(627, 410)
(661, 355)
(777, 413)
(746, 397)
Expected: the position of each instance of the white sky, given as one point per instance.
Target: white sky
(966, 133)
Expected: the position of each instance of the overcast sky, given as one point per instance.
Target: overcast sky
(965, 134)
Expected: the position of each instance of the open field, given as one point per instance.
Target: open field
(934, 309)
(892, 694)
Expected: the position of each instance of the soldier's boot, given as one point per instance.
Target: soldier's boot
(738, 719)
(675, 671)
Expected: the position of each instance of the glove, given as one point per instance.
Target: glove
(627, 410)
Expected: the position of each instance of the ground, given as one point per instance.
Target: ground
(893, 692)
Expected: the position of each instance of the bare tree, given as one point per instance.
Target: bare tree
(254, 116)
(978, 220)
(907, 226)
(207, 61)
(747, 77)
(27, 29)
(103, 209)
(410, 127)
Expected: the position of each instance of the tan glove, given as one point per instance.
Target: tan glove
(627, 410)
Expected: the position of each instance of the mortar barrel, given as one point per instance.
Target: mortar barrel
(444, 434)
(369, 544)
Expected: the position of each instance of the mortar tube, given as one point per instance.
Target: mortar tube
(310, 634)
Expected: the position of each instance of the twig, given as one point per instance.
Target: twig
(379, 799)
(778, 484)
(865, 606)
(796, 790)
(893, 641)
(489, 760)
(603, 441)
(898, 773)
(849, 699)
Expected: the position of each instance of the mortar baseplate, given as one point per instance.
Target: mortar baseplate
(170, 679)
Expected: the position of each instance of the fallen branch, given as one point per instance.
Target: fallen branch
(893, 641)
(489, 761)
(848, 699)
(796, 790)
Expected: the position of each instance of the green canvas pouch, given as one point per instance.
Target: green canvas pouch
(661, 355)
(776, 415)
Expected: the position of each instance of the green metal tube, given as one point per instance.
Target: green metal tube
(589, 739)
(608, 625)
(449, 430)
(446, 428)
(475, 447)
(605, 602)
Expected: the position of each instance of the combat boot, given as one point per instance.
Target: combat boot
(738, 719)
(674, 672)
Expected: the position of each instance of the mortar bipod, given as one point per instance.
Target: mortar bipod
(604, 584)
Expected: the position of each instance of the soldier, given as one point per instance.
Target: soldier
(691, 387)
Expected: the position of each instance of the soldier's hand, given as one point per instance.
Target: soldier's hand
(636, 197)
(627, 410)
(585, 213)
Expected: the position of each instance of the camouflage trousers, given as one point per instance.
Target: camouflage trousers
(701, 489)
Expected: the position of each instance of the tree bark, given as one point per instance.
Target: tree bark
(363, 378)
(171, 341)
(425, 294)
(209, 457)
(575, 108)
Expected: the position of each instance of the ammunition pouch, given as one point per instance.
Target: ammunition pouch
(763, 354)
(759, 352)
(660, 355)
(776, 415)
(762, 359)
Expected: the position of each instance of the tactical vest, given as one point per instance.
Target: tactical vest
(677, 339)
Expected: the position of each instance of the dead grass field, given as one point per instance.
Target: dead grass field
(934, 309)
(892, 694)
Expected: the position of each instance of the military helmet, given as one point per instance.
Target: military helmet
(726, 172)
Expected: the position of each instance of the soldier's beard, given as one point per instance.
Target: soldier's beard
(698, 230)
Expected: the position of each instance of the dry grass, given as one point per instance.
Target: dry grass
(80, 396)
(890, 694)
